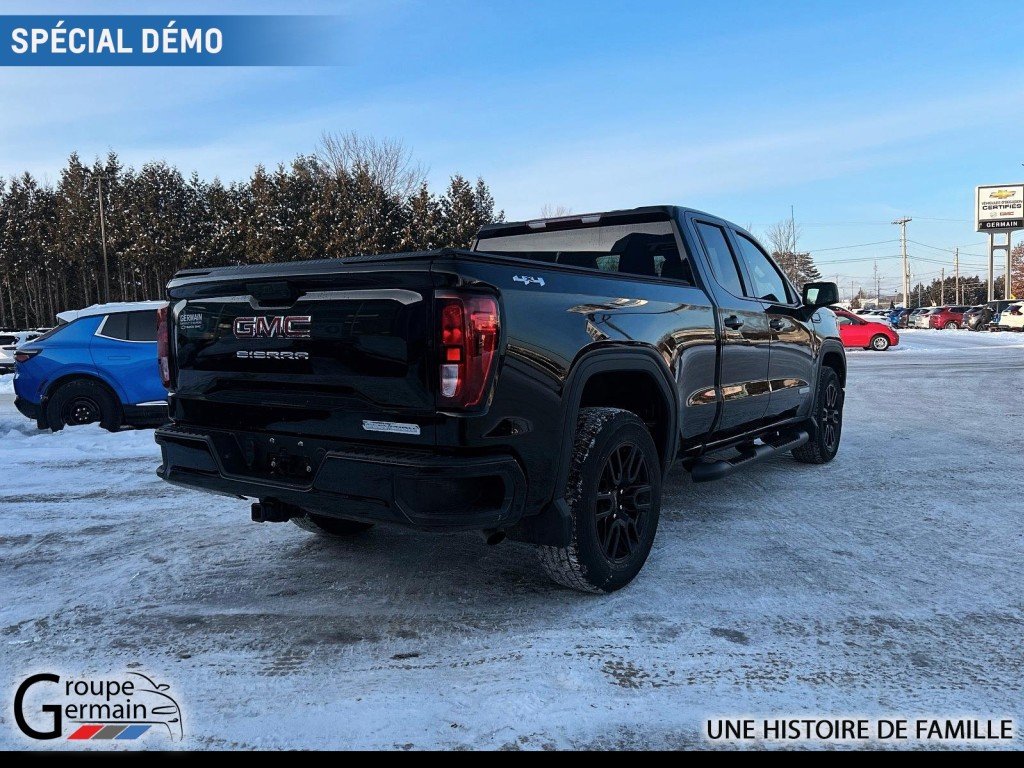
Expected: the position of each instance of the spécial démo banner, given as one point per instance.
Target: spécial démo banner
(223, 40)
(81, 40)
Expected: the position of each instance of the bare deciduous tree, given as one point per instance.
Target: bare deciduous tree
(549, 211)
(783, 236)
(388, 161)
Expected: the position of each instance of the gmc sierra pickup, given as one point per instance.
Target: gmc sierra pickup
(538, 386)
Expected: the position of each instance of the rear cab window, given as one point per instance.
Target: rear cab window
(645, 249)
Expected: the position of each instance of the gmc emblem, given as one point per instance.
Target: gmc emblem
(273, 327)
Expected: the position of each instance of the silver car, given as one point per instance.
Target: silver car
(9, 342)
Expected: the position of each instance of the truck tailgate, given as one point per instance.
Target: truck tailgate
(310, 354)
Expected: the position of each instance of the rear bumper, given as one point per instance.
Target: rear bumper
(28, 410)
(147, 414)
(426, 491)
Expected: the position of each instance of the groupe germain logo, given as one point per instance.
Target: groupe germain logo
(273, 327)
(122, 708)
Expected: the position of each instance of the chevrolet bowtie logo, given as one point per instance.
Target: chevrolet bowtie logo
(1002, 194)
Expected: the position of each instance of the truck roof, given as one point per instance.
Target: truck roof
(625, 215)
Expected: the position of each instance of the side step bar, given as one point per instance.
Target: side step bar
(706, 471)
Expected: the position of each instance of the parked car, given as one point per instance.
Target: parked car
(976, 317)
(9, 342)
(1012, 318)
(921, 317)
(871, 315)
(98, 365)
(912, 318)
(538, 385)
(948, 318)
(898, 317)
(996, 309)
(857, 332)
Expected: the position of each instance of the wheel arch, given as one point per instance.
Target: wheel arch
(66, 378)
(834, 356)
(595, 368)
(632, 378)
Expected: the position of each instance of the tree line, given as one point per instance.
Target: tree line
(351, 196)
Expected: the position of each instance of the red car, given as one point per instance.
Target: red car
(860, 333)
(947, 318)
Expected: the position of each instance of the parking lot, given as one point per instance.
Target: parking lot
(886, 583)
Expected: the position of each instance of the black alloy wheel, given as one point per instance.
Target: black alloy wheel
(623, 502)
(831, 416)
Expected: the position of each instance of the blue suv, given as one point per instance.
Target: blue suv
(98, 365)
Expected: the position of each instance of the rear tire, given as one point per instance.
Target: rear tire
(614, 498)
(83, 401)
(952, 325)
(880, 343)
(827, 430)
(331, 526)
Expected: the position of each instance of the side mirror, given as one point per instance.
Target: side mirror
(821, 294)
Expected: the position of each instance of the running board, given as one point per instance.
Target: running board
(706, 471)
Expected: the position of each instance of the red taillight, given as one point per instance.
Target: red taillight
(468, 330)
(163, 346)
(24, 355)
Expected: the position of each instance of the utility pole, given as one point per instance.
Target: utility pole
(878, 285)
(906, 265)
(103, 241)
(942, 287)
(103, 237)
(792, 227)
(956, 266)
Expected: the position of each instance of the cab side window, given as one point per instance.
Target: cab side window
(723, 264)
(767, 282)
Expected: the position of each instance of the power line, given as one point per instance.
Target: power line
(848, 247)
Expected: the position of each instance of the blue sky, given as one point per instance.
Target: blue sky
(852, 113)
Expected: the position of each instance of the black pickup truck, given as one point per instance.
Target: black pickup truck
(538, 386)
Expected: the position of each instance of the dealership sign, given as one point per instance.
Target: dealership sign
(999, 208)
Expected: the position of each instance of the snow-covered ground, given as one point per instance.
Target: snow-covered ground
(886, 583)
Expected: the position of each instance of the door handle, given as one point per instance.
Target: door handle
(777, 324)
(732, 321)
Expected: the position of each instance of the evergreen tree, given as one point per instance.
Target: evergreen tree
(459, 219)
(370, 198)
(422, 221)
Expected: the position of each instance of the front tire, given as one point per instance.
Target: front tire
(614, 498)
(880, 343)
(952, 325)
(331, 526)
(827, 429)
(82, 401)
